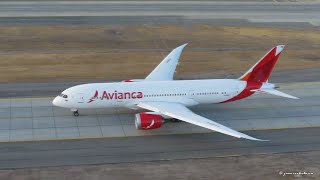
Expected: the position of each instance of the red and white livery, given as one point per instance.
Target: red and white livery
(168, 98)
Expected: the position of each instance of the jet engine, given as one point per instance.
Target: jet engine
(145, 121)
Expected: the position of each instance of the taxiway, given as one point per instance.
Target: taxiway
(271, 13)
(101, 136)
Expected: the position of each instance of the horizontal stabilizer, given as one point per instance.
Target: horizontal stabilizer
(274, 92)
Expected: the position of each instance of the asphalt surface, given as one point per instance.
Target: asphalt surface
(27, 119)
(256, 11)
(275, 14)
(257, 112)
(139, 149)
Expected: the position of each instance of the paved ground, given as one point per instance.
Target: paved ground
(266, 166)
(156, 148)
(282, 14)
(254, 166)
(36, 119)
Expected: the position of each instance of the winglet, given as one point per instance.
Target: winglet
(166, 69)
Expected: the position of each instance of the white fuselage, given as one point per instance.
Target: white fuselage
(167, 98)
(128, 94)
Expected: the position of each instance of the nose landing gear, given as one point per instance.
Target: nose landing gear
(75, 112)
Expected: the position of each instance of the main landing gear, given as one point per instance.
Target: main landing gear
(75, 112)
(175, 120)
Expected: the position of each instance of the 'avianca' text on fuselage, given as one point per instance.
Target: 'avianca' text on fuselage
(116, 95)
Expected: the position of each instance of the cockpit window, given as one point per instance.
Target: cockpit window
(63, 95)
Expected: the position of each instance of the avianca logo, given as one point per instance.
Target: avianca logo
(116, 95)
(95, 96)
(150, 126)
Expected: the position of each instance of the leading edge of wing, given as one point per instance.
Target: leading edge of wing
(166, 69)
(181, 112)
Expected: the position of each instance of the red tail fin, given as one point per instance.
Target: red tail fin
(261, 71)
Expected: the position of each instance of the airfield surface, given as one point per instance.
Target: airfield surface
(98, 136)
(37, 119)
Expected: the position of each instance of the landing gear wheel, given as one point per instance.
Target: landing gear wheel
(76, 113)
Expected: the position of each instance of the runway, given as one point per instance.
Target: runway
(109, 136)
(141, 149)
(282, 14)
(27, 119)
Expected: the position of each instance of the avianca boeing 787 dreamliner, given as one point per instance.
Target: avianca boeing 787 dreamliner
(168, 98)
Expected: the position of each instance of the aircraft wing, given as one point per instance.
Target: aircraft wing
(179, 111)
(166, 69)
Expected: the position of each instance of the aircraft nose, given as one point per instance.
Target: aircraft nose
(55, 101)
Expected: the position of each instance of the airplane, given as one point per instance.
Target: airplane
(161, 97)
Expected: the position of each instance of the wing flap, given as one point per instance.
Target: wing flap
(179, 111)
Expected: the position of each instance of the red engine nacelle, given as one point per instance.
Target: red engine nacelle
(147, 121)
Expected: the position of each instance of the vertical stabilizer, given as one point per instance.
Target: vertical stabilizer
(261, 71)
